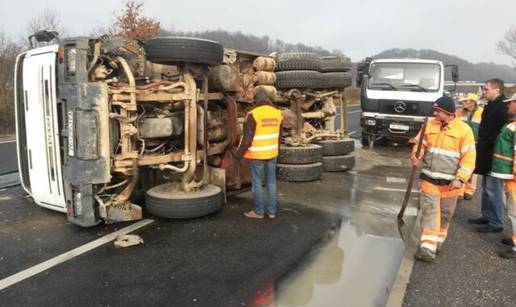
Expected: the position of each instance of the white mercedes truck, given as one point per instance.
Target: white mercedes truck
(397, 95)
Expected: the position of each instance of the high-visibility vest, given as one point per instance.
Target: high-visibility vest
(503, 153)
(472, 118)
(449, 153)
(265, 143)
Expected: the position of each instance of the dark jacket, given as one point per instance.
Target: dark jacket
(494, 117)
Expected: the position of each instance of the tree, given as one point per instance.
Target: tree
(507, 46)
(8, 52)
(133, 25)
(46, 20)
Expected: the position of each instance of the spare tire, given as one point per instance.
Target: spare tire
(298, 61)
(335, 64)
(167, 201)
(300, 155)
(337, 147)
(338, 163)
(298, 79)
(335, 80)
(299, 172)
(172, 50)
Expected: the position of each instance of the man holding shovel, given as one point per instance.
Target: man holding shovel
(448, 155)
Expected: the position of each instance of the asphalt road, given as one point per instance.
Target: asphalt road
(346, 221)
(8, 162)
(468, 272)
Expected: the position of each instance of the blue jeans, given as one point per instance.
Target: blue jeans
(493, 209)
(257, 169)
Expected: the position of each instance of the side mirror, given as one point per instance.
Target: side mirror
(43, 36)
(455, 74)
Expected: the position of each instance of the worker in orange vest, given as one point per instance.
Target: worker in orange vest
(448, 155)
(471, 114)
(260, 145)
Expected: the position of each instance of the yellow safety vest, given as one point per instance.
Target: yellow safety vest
(266, 135)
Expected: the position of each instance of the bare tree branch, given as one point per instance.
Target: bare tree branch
(507, 46)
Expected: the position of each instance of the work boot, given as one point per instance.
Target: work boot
(489, 228)
(439, 248)
(426, 255)
(508, 254)
(468, 196)
(479, 221)
(508, 241)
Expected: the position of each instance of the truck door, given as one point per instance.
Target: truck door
(41, 122)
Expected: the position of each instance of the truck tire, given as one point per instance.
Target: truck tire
(338, 163)
(300, 155)
(171, 50)
(167, 201)
(364, 138)
(337, 147)
(335, 80)
(335, 64)
(298, 79)
(298, 61)
(299, 172)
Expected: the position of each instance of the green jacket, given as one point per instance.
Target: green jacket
(503, 156)
(473, 119)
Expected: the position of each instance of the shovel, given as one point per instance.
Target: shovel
(412, 177)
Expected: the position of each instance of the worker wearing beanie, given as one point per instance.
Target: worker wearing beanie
(448, 155)
(471, 114)
(260, 144)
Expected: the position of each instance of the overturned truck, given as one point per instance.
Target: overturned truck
(311, 95)
(104, 124)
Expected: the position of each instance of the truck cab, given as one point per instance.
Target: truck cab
(397, 95)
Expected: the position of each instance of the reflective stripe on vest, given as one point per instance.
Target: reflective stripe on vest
(266, 135)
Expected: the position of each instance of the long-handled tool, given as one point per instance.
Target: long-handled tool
(412, 175)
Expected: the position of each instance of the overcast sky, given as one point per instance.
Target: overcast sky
(466, 28)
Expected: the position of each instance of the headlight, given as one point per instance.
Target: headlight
(370, 122)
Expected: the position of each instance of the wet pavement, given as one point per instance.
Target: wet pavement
(335, 242)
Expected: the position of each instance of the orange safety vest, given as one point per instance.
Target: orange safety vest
(449, 153)
(266, 135)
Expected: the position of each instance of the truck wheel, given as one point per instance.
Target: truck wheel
(299, 172)
(298, 61)
(338, 163)
(335, 80)
(172, 50)
(298, 79)
(167, 201)
(335, 64)
(365, 139)
(337, 147)
(300, 155)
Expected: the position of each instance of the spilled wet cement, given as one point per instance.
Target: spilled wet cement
(358, 265)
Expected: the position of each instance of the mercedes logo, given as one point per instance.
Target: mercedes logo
(400, 107)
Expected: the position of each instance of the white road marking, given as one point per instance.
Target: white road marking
(394, 190)
(4, 142)
(396, 179)
(352, 112)
(16, 278)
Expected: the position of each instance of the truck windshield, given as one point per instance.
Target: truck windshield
(416, 77)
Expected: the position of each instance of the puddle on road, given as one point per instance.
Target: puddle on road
(358, 266)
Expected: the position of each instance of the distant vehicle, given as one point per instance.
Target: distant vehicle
(397, 95)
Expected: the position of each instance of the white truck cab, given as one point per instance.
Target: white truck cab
(397, 95)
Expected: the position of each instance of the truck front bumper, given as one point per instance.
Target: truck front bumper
(391, 126)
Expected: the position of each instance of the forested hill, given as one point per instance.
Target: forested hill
(468, 71)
